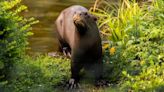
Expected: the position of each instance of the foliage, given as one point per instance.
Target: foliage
(14, 30)
(137, 33)
(40, 74)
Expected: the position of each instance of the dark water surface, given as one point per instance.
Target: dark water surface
(46, 11)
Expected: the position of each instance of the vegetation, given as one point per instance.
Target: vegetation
(14, 31)
(40, 74)
(133, 49)
(136, 32)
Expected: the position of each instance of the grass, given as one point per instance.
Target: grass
(43, 73)
(39, 74)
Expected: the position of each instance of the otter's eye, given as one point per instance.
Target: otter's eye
(85, 13)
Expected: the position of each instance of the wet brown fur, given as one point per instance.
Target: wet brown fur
(77, 30)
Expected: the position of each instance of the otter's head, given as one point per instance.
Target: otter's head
(84, 21)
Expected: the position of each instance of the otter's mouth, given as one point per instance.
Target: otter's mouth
(80, 24)
(78, 21)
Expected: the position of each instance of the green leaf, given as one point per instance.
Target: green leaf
(1, 65)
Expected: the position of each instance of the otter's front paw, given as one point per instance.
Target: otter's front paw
(72, 84)
(66, 52)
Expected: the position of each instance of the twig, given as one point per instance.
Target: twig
(95, 5)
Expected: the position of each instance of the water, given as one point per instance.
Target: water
(46, 11)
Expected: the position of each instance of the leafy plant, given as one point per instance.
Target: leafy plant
(14, 31)
(137, 34)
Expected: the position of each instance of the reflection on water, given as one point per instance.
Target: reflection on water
(46, 11)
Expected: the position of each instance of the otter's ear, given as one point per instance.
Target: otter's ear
(94, 18)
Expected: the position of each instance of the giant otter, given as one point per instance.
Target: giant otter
(78, 33)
